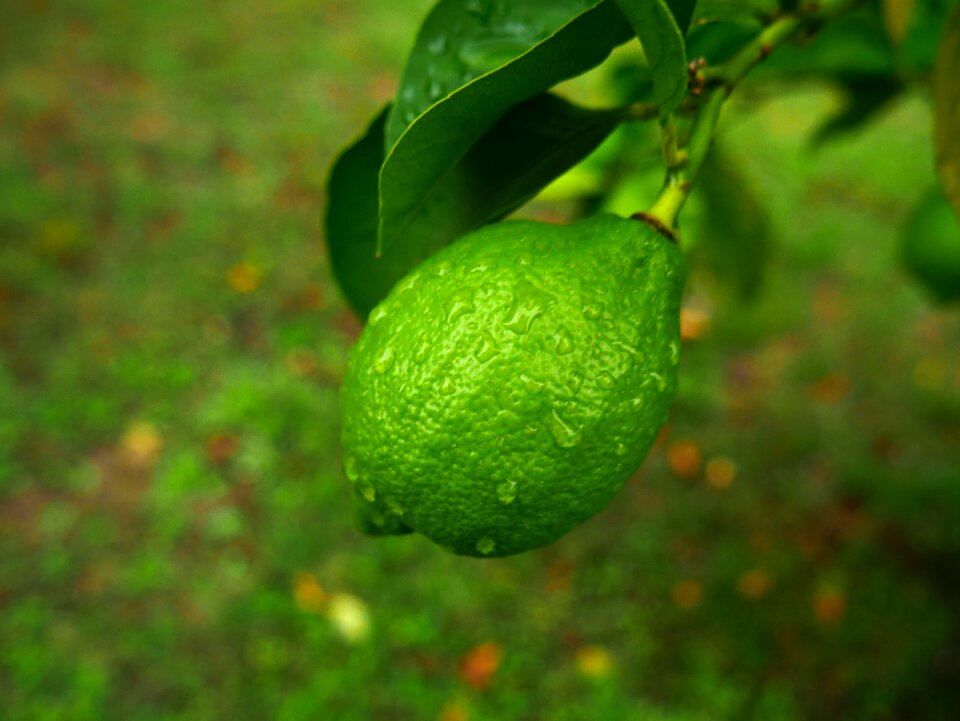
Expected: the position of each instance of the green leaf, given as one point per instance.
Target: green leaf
(855, 44)
(946, 102)
(709, 11)
(351, 223)
(733, 236)
(662, 42)
(533, 144)
(571, 37)
(683, 11)
(865, 97)
(462, 40)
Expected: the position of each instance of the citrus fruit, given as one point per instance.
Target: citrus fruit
(507, 388)
(930, 247)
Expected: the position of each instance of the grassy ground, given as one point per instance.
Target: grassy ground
(174, 529)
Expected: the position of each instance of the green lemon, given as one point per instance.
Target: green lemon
(930, 247)
(507, 388)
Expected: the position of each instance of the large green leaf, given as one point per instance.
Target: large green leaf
(662, 40)
(534, 143)
(473, 61)
(946, 100)
(683, 11)
(351, 222)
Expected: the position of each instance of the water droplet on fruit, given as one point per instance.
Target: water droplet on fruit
(460, 304)
(529, 304)
(562, 342)
(487, 349)
(383, 361)
(408, 283)
(620, 449)
(350, 469)
(674, 352)
(605, 380)
(507, 492)
(531, 384)
(592, 312)
(376, 315)
(486, 546)
(565, 434)
(422, 348)
(393, 507)
(576, 380)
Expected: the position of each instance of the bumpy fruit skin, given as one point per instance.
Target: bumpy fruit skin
(506, 389)
(930, 247)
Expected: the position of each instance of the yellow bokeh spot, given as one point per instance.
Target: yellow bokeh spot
(454, 711)
(244, 277)
(720, 472)
(753, 584)
(349, 615)
(687, 594)
(141, 443)
(308, 593)
(594, 661)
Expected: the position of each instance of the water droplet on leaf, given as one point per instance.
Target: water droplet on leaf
(437, 45)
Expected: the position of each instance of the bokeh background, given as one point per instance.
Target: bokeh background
(175, 539)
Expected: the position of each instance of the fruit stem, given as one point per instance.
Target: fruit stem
(685, 161)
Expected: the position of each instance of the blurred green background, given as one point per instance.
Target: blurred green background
(175, 540)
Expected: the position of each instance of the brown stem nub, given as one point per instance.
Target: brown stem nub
(657, 225)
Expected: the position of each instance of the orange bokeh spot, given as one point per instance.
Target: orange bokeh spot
(687, 594)
(684, 459)
(753, 584)
(829, 606)
(480, 664)
(693, 323)
(308, 593)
